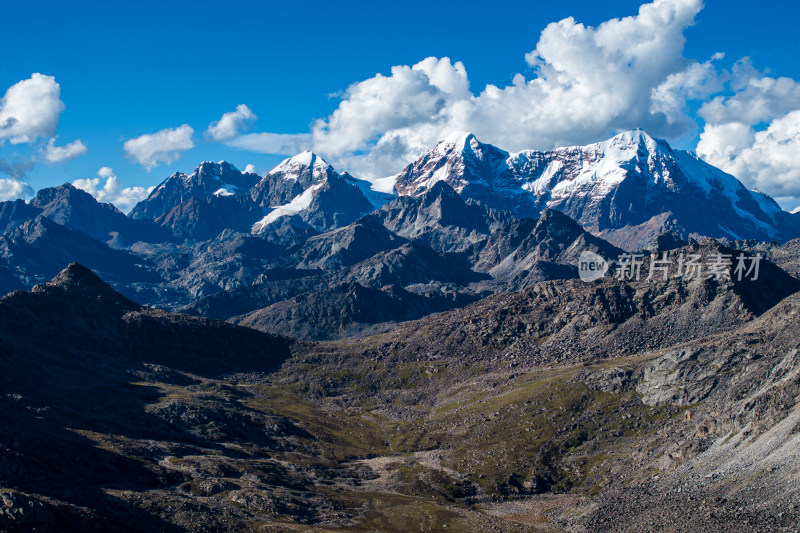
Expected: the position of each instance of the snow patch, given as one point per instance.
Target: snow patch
(378, 191)
(299, 203)
(222, 191)
(729, 232)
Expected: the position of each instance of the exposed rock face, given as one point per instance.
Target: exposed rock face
(76, 209)
(683, 376)
(786, 256)
(71, 352)
(345, 246)
(226, 262)
(411, 264)
(307, 187)
(630, 188)
(291, 178)
(208, 179)
(528, 246)
(441, 219)
(200, 219)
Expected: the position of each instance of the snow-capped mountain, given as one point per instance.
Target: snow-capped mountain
(208, 179)
(307, 188)
(292, 177)
(629, 188)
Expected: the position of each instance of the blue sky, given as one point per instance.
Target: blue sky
(130, 69)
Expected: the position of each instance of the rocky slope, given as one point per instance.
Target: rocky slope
(568, 406)
(528, 251)
(441, 219)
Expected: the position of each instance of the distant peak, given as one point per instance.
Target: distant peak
(80, 282)
(75, 273)
(458, 139)
(208, 165)
(638, 136)
(304, 159)
(67, 190)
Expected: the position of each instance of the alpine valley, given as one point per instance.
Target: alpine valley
(308, 351)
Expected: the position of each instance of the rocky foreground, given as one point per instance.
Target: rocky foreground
(566, 406)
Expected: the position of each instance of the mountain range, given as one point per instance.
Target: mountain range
(469, 204)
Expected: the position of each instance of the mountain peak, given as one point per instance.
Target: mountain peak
(459, 138)
(62, 192)
(637, 138)
(78, 280)
(306, 159)
(214, 168)
(440, 189)
(75, 274)
(460, 141)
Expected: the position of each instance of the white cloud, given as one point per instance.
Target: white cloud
(30, 109)
(11, 189)
(112, 191)
(250, 169)
(164, 146)
(768, 160)
(720, 144)
(697, 82)
(587, 82)
(231, 124)
(762, 99)
(272, 143)
(62, 154)
(410, 96)
(754, 133)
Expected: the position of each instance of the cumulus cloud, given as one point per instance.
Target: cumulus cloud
(16, 169)
(697, 82)
(62, 154)
(410, 96)
(14, 187)
(250, 168)
(231, 124)
(11, 189)
(586, 83)
(30, 110)
(164, 146)
(768, 160)
(754, 132)
(762, 99)
(106, 187)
